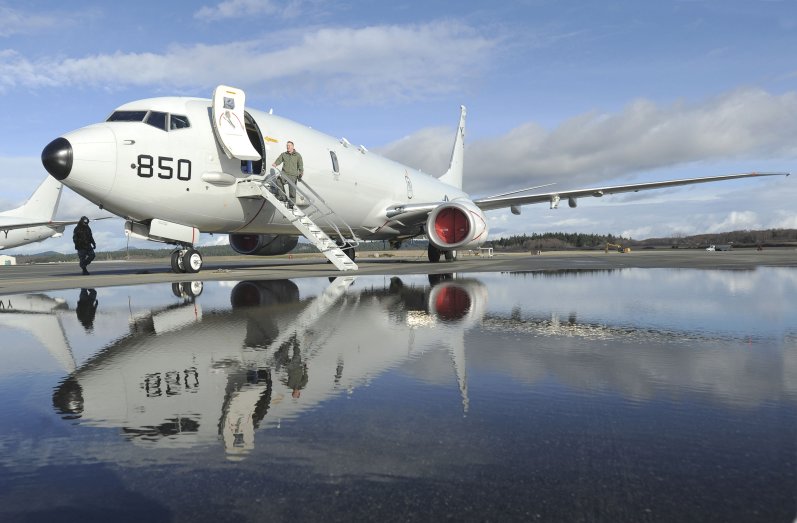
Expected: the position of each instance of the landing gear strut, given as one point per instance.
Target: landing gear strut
(347, 248)
(186, 260)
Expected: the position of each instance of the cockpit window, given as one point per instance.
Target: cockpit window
(127, 116)
(164, 121)
(178, 122)
(156, 119)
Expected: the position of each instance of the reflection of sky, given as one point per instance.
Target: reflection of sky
(630, 379)
(666, 303)
(738, 303)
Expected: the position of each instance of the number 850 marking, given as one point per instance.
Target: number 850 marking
(145, 167)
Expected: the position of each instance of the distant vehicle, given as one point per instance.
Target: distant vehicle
(719, 247)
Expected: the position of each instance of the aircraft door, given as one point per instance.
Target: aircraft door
(229, 123)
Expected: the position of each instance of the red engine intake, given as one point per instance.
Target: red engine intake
(456, 225)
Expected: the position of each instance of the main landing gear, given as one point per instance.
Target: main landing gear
(186, 260)
(347, 248)
(434, 254)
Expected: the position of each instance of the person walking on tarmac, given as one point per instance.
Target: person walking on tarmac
(84, 243)
(292, 168)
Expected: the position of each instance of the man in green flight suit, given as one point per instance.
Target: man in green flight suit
(292, 168)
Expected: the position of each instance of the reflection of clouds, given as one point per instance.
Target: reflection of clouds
(661, 298)
(641, 363)
(734, 282)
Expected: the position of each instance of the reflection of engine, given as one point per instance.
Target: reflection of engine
(263, 293)
(458, 301)
(456, 225)
(262, 244)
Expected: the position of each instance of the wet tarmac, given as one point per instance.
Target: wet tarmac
(55, 276)
(548, 388)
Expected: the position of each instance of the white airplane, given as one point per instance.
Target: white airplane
(33, 221)
(174, 167)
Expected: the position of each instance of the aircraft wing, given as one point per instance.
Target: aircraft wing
(499, 202)
(48, 223)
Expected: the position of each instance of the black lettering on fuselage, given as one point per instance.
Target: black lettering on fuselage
(145, 167)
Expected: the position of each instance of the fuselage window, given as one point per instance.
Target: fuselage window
(127, 116)
(156, 119)
(335, 167)
(177, 121)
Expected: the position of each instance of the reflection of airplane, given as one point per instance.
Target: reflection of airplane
(198, 378)
(33, 221)
(172, 169)
(35, 314)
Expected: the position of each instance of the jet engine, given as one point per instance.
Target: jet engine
(262, 244)
(456, 225)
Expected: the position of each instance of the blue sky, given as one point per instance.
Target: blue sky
(575, 93)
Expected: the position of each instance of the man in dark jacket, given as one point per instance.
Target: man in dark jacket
(84, 243)
(86, 308)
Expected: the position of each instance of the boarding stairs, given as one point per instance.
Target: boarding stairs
(315, 210)
(304, 326)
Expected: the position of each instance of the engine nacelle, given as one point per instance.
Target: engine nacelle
(262, 244)
(456, 225)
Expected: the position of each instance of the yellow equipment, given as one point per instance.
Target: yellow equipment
(620, 248)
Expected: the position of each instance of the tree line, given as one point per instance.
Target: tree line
(548, 241)
(566, 240)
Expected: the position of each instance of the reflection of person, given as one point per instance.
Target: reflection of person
(87, 308)
(84, 243)
(296, 370)
(292, 168)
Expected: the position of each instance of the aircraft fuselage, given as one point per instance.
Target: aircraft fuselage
(142, 172)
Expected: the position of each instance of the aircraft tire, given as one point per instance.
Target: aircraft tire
(433, 253)
(349, 250)
(195, 288)
(177, 262)
(187, 289)
(451, 256)
(192, 261)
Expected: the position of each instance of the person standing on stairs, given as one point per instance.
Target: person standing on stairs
(292, 169)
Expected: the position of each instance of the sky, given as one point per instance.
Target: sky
(579, 94)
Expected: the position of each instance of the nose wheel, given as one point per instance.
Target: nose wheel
(186, 261)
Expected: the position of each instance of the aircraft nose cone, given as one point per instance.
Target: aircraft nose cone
(57, 158)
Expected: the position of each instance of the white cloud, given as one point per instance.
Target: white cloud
(784, 220)
(241, 8)
(638, 232)
(593, 147)
(737, 221)
(14, 21)
(424, 60)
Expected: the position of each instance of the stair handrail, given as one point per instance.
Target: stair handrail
(318, 212)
